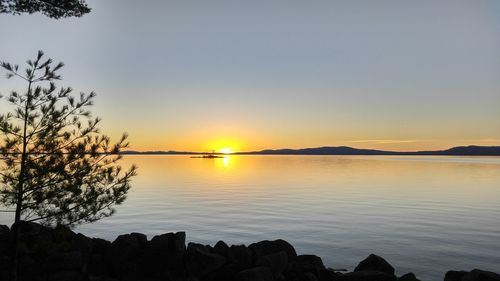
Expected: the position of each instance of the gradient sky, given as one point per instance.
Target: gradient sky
(202, 75)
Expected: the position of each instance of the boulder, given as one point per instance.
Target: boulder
(29, 228)
(328, 274)
(64, 261)
(308, 263)
(408, 277)
(29, 269)
(66, 276)
(164, 256)
(124, 255)
(5, 263)
(454, 275)
(5, 233)
(260, 273)
(97, 265)
(222, 249)
(100, 246)
(366, 275)
(83, 244)
(276, 262)
(313, 265)
(170, 248)
(201, 262)
(375, 263)
(241, 256)
(62, 233)
(309, 276)
(33, 237)
(141, 238)
(267, 247)
(481, 275)
(227, 272)
(5, 239)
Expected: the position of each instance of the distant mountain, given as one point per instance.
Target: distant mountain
(325, 150)
(471, 150)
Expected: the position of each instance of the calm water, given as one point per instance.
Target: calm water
(423, 214)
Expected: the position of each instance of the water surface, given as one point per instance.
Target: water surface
(423, 214)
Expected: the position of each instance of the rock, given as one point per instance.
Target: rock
(453, 275)
(141, 238)
(126, 246)
(276, 262)
(308, 276)
(29, 269)
(64, 261)
(5, 233)
(408, 277)
(308, 263)
(267, 247)
(82, 243)
(200, 261)
(123, 255)
(375, 263)
(5, 239)
(164, 255)
(100, 246)
(260, 273)
(5, 263)
(328, 274)
(222, 249)
(227, 272)
(481, 275)
(366, 275)
(5, 275)
(241, 256)
(169, 246)
(97, 265)
(29, 228)
(33, 237)
(66, 276)
(62, 233)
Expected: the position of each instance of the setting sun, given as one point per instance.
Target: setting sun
(226, 150)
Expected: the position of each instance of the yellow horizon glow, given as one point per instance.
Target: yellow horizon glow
(226, 150)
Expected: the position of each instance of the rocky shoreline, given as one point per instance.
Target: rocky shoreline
(59, 254)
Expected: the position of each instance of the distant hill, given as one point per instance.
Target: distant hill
(471, 150)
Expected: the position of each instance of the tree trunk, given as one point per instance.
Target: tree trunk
(20, 192)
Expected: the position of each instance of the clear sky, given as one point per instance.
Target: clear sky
(202, 75)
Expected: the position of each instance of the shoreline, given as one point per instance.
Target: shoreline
(58, 254)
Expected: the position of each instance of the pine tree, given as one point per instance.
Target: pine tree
(57, 168)
(51, 8)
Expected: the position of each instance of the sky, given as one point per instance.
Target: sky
(250, 75)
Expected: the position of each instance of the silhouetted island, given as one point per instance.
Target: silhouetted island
(59, 254)
(471, 150)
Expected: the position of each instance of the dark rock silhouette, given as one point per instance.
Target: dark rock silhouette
(473, 275)
(375, 263)
(408, 277)
(366, 275)
(61, 255)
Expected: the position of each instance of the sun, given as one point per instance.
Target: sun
(226, 150)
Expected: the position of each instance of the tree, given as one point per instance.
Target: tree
(51, 8)
(57, 168)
